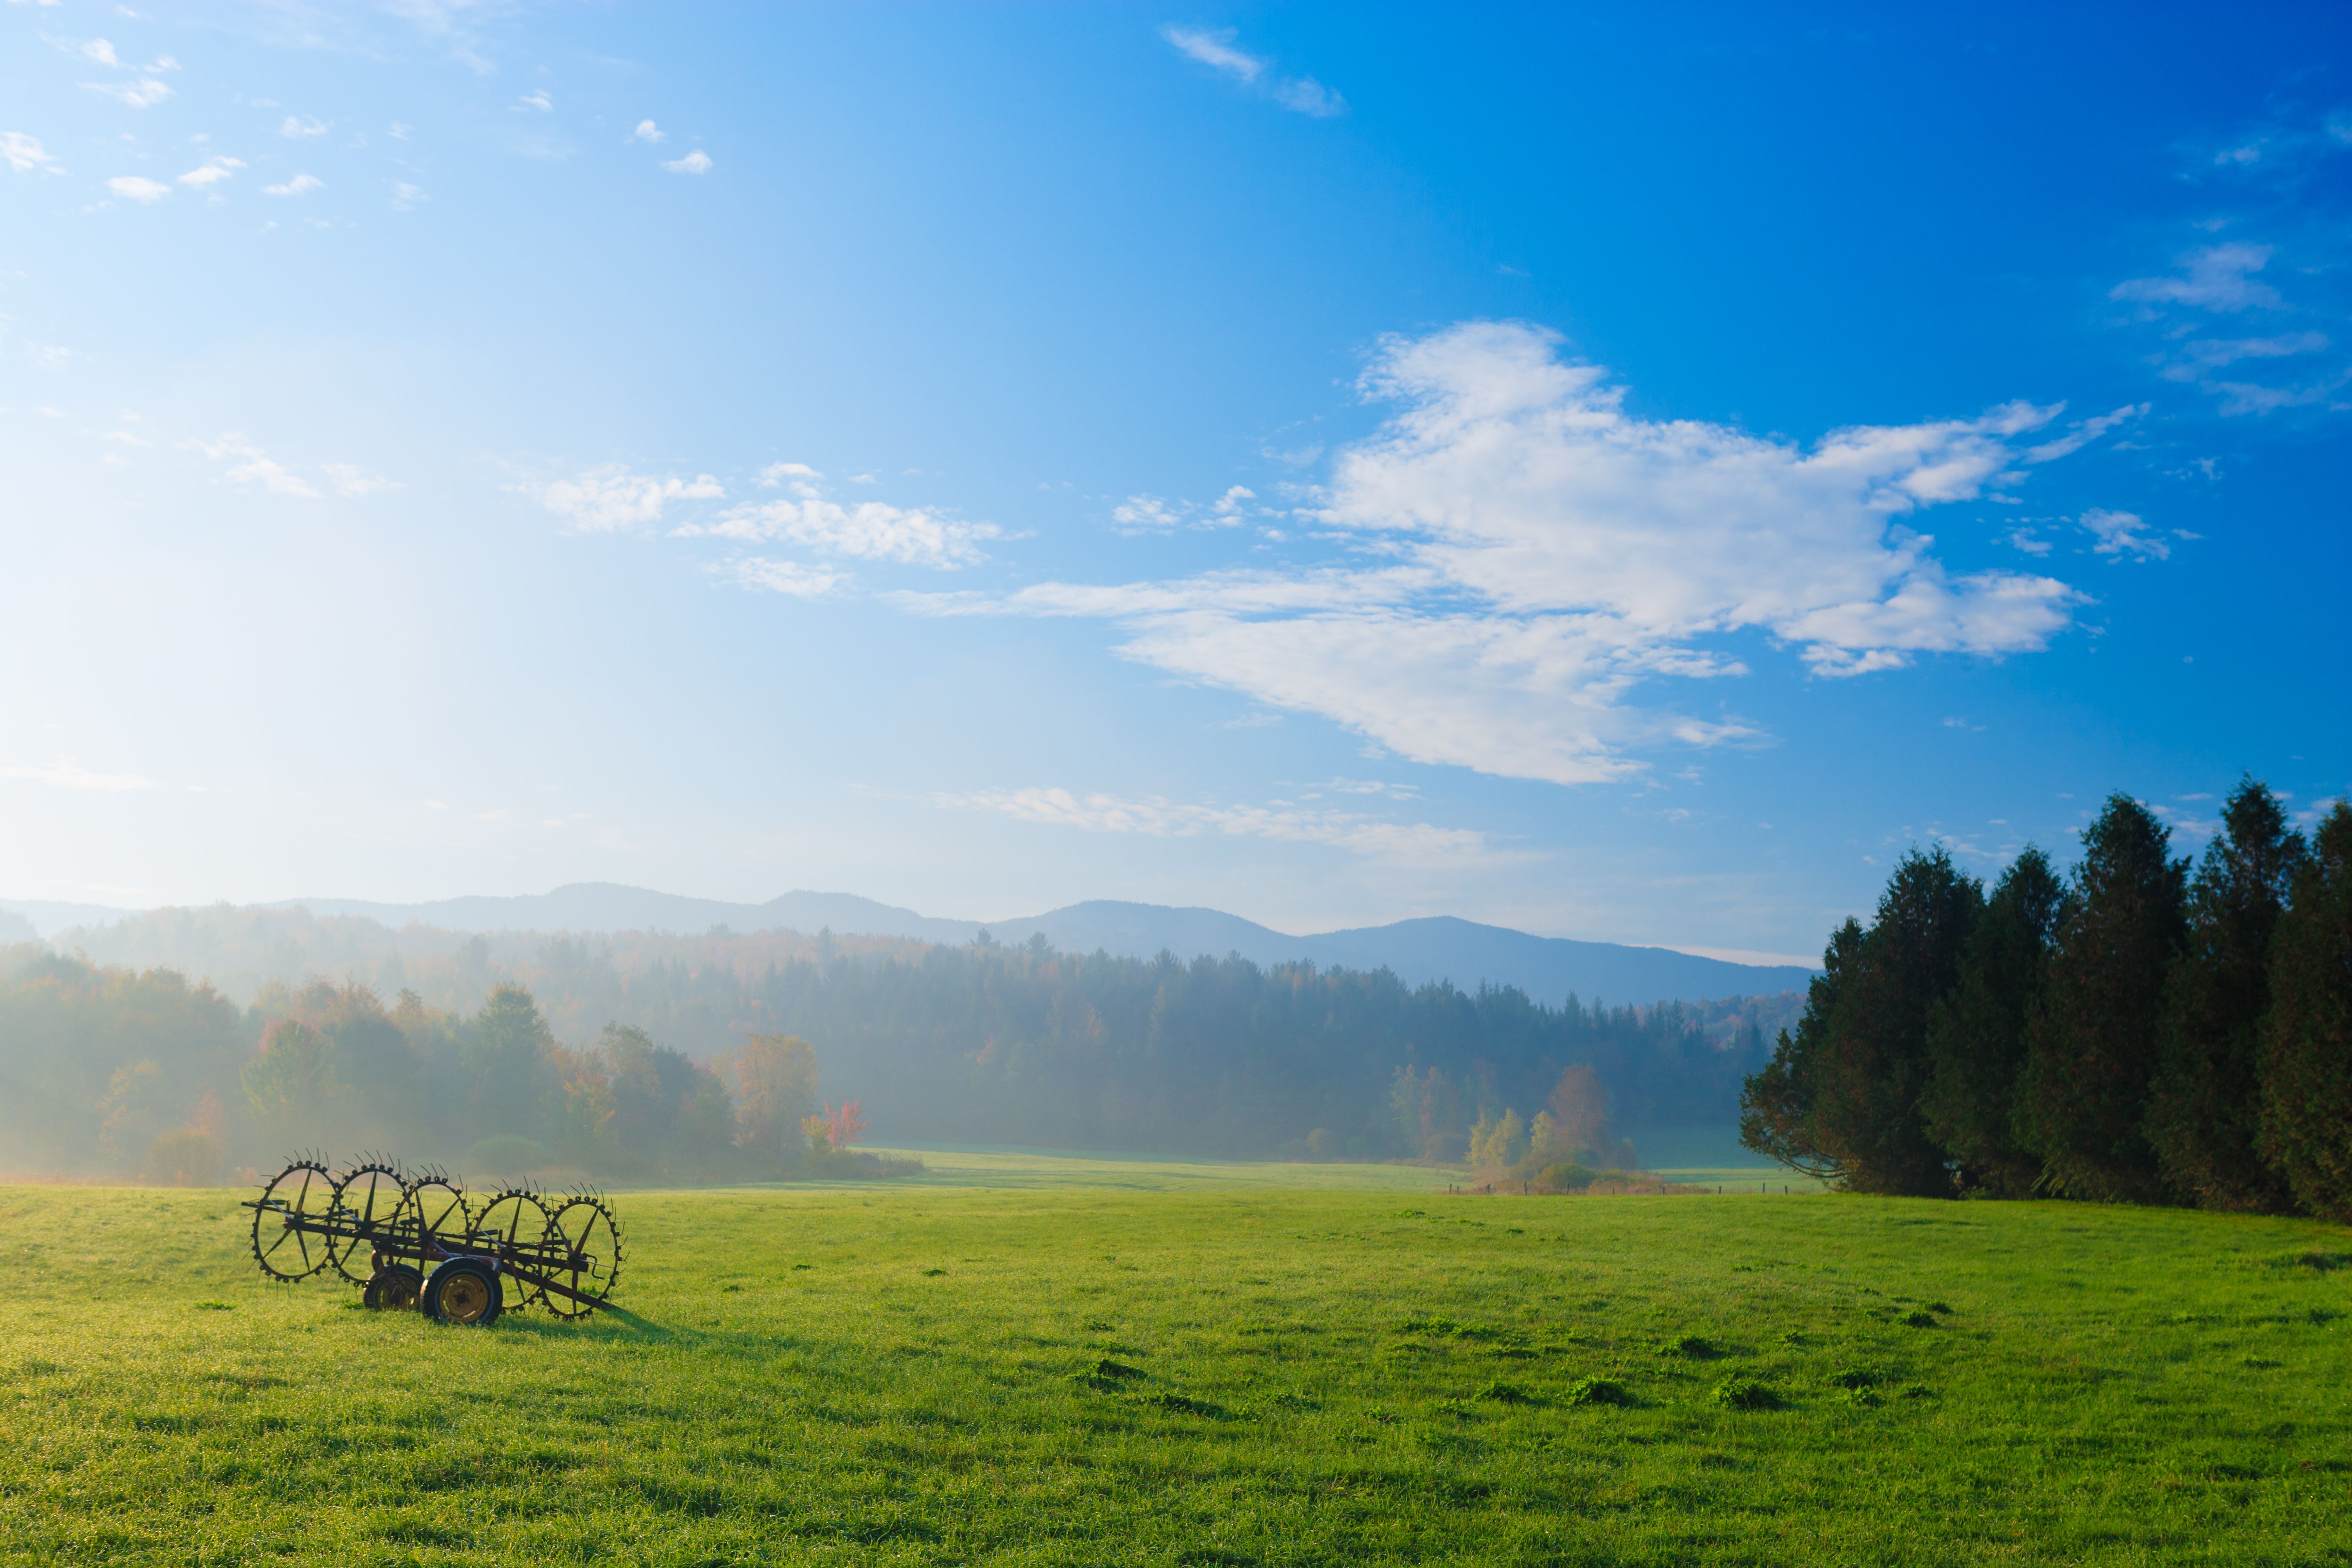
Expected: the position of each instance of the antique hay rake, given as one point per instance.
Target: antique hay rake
(410, 1240)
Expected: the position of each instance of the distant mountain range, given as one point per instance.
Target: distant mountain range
(1438, 948)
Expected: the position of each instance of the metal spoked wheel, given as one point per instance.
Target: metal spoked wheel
(396, 1287)
(583, 1246)
(303, 1192)
(368, 1200)
(433, 1215)
(513, 1220)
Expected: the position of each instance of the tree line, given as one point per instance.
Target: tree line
(2138, 1031)
(656, 1059)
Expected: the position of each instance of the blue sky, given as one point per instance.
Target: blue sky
(1623, 476)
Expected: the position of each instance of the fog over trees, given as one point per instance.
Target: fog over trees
(685, 1059)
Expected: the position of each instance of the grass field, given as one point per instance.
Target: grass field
(1068, 1371)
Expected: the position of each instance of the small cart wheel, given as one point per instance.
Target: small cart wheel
(463, 1291)
(394, 1287)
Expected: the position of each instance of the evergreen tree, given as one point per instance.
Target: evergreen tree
(1873, 1065)
(1975, 1034)
(1777, 1103)
(2306, 1064)
(2090, 1040)
(512, 1043)
(2204, 1108)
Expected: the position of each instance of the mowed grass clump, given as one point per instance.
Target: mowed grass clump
(1059, 1376)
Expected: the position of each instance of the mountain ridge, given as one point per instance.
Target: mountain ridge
(1419, 951)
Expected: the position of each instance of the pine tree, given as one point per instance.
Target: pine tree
(1975, 1034)
(1777, 1102)
(2204, 1108)
(1873, 1065)
(2306, 1064)
(2090, 1040)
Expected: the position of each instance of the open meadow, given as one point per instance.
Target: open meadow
(1170, 1369)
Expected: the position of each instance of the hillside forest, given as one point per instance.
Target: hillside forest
(647, 1057)
(2140, 1030)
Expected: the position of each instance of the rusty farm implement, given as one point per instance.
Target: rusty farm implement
(410, 1238)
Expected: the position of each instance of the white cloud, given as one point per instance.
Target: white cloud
(300, 186)
(212, 172)
(695, 163)
(1418, 842)
(867, 530)
(405, 195)
(775, 474)
(144, 93)
(25, 154)
(66, 773)
(536, 98)
(97, 50)
(647, 130)
(2218, 278)
(788, 577)
(138, 188)
(302, 125)
(1525, 554)
(1216, 49)
(2122, 533)
(1158, 514)
(254, 467)
(608, 498)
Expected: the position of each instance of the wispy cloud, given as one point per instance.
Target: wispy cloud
(138, 188)
(25, 154)
(1155, 817)
(2249, 320)
(786, 577)
(2123, 533)
(144, 93)
(250, 464)
(1520, 555)
(536, 98)
(1158, 514)
(695, 163)
(647, 130)
(869, 530)
(347, 479)
(66, 773)
(212, 172)
(1216, 48)
(300, 186)
(301, 127)
(609, 498)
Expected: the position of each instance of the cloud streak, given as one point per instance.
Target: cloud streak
(1154, 816)
(609, 498)
(1216, 49)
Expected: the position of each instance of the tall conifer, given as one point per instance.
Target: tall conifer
(2090, 1040)
(1777, 1102)
(1872, 1067)
(2205, 1104)
(1976, 1035)
(2306, 1065)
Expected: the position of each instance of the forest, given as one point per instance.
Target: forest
(2137, 1031)
(682, 1059)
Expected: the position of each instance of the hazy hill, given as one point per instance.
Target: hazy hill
(1440, 947)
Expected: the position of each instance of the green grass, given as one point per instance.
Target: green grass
(1205, 1374)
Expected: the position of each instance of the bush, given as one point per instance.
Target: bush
(1565, 1177)
(1598, 1390)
